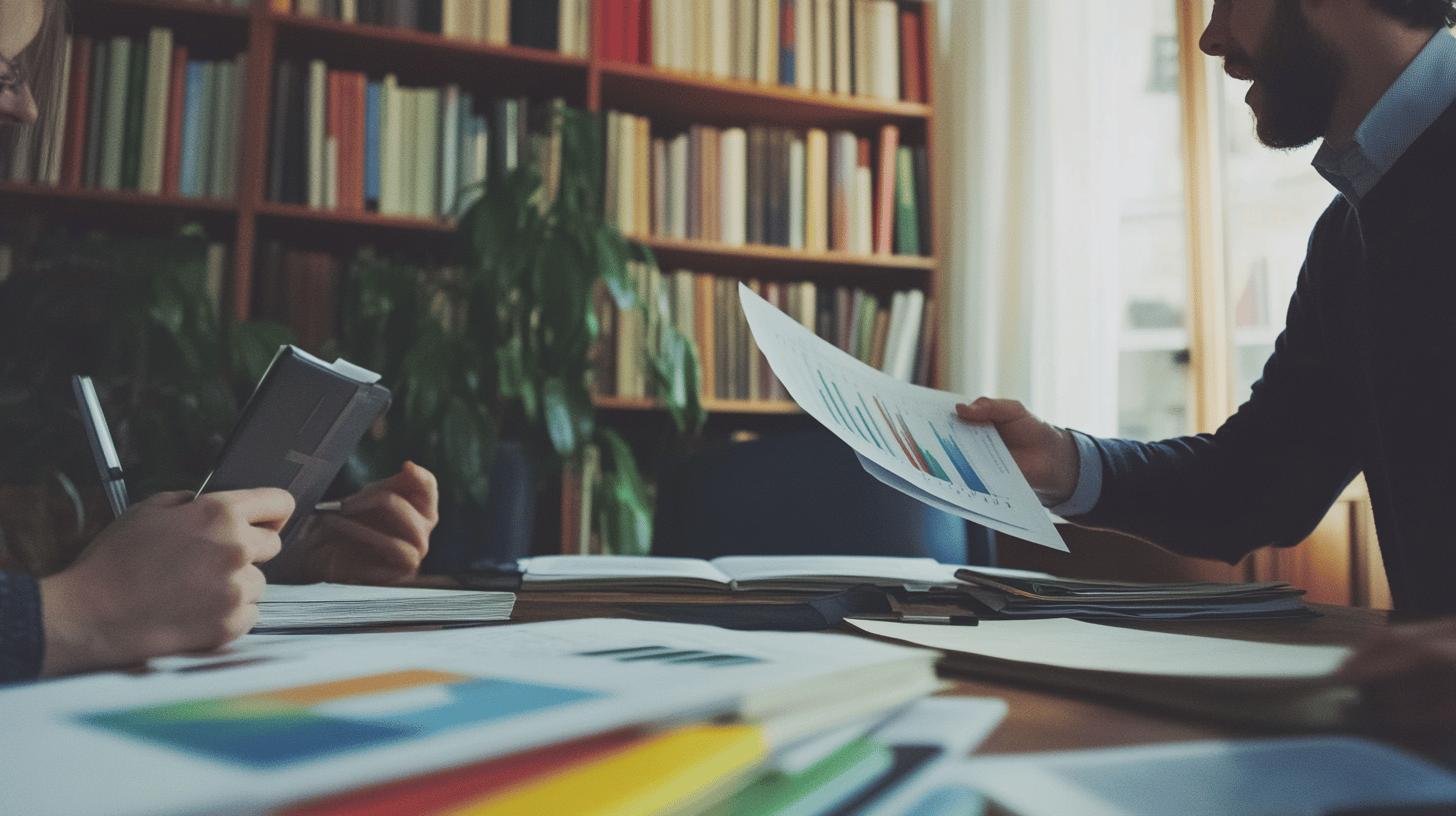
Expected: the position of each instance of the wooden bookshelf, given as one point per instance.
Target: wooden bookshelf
(712, 406)
(268, 37)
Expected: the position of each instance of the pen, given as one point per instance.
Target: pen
(98, 434)
(328, 507)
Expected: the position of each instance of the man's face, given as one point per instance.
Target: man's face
(1294, 71)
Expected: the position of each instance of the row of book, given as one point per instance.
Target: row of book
(872, 48)
(342, 140)
(299, 288)
(812, 190)
(555, 25)
(139, 114)
(890, 333)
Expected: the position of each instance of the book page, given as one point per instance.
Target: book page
(916, 572)
(619, 567)
(909, 431)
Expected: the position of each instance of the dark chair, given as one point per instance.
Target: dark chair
(801, 493)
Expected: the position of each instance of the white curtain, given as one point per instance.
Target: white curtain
(1028, 188)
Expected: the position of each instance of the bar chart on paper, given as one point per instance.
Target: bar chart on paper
(907, 436)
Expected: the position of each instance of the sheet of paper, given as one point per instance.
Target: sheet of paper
(911, 572)
(297, 716)
(577, 567)
(1073, 644)
(350, 593)
(910, 431)
(1269, 777)
(309, 606)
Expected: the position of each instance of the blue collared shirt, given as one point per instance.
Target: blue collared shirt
(1422, 92)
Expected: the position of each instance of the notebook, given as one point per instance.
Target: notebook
(335, 606)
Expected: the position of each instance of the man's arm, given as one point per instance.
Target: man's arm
(1266, 477)
(21, 635)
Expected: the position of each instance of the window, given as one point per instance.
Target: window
(1154, 391)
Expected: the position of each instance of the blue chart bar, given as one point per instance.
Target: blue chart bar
(859, 427)
(958, 460)
(824, 391)
(863, 417)
(869, 417)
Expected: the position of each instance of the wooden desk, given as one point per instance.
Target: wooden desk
(1043, 720)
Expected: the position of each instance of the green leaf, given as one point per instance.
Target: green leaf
(560, 425)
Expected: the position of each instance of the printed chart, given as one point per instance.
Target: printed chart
(278, 728)
(909, 437)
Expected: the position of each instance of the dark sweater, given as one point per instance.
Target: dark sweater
(1362, 379)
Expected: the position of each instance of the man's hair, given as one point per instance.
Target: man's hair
(1420, 13)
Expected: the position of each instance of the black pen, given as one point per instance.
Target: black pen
(108, 464)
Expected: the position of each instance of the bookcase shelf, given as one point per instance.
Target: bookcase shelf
(363, 221)
(161, 9)
(422, 53)
(712, 406)
(712, 100)
(756, 259)
(267, 38)
(87, 199)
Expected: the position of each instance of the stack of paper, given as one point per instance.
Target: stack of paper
(335, 606)
(788, 573)
(929, 587)
(284, 719)
(1267, 684)
(1011, 596)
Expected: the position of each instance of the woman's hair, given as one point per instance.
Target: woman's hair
(43, 63)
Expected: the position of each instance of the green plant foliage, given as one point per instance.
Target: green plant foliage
(137, 314)
(500, 345)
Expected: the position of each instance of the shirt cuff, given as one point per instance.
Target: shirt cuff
(1089, 479)
(22, 639)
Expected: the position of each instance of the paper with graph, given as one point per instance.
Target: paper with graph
(907, 436)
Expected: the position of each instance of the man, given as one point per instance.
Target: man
(173, 574)
(1363, 377)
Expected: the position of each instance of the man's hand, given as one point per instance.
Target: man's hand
(170, 575)
(1408, 679)
(379, 535)
(1046, 454)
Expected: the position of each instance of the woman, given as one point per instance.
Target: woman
(174, 574)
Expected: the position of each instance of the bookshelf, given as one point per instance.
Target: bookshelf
(266, 37)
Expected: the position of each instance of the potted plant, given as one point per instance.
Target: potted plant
(492, 357)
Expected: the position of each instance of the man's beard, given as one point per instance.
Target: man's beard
(1297, 74)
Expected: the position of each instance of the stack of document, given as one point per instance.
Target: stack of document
(1249, 682)
(1034, 596)
(675, 718)
(922, 586)
(772, 573)
(338, 606)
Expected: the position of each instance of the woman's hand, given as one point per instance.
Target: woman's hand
(379, 535)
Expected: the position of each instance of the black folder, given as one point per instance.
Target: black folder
(302, 422)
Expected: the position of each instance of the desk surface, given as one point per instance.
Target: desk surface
(1044, 720)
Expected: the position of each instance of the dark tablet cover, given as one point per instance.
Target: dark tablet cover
(300, 425)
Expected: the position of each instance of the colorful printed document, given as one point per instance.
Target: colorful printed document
(906, 436)
(282, 719)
